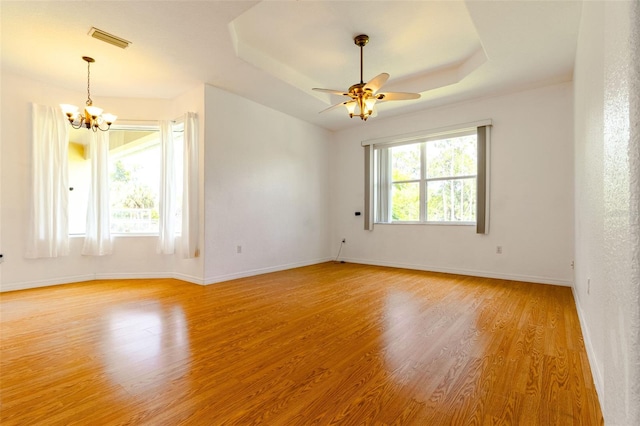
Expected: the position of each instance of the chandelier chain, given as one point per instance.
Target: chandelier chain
(89, 101)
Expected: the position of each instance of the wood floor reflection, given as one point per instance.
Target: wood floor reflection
(325, 344)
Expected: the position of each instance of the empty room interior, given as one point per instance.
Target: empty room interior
(320, 212)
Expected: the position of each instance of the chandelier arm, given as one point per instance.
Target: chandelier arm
(97, 126)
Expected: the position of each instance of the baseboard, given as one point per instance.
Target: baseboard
(100, 276)
(144, 275)
(47, 283)
(188, 278)
(460, 271)
(260, 271)
(598, 379)
(132, 275)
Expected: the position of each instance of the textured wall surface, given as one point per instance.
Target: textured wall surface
(607, 284)
(634, 177)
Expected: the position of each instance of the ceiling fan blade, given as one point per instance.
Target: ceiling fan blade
(377, 82)
(333, 92)
(396, 96)
(335, 106)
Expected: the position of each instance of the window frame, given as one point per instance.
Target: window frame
(373, 148)
(121, 151)
(135, 125)
(423, 183)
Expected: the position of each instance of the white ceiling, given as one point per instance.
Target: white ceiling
(274, 52)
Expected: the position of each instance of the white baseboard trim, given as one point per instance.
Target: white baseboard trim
(132, 275)
(460, 271)
(598, 379)
(260, 271)
(99, 276)
(188, 278)
(144, 275)
(47, 283)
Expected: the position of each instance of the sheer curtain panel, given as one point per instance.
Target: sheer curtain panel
(190, 189)
(97, 241)
(48, 234)
(167, 236)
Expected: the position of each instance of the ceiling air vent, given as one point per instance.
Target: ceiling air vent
(109, 38)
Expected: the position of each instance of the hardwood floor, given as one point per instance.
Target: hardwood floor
(325, 344)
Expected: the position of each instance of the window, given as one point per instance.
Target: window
(433, 181)
(435, 178)
(79, 167)
(134, 179)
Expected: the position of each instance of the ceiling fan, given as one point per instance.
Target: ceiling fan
(365, 95)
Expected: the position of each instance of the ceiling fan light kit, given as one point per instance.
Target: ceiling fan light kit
(92, 118)
(365, 95)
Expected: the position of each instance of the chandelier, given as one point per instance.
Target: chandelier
(93, 118)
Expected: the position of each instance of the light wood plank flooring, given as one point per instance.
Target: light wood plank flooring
(321, 345)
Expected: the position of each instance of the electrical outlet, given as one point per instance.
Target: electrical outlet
(344, 240)
(238, 249)
(498, 249)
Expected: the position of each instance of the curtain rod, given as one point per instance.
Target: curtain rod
(426, 133)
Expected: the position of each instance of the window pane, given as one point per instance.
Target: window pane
(451, 200)
(79, 180)
(134, 181)
(452, 157)
(405, 199)
(405, 162)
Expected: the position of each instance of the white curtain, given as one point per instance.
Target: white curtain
(167, 201)
(190, 188)
(97, 241)
(48, 234)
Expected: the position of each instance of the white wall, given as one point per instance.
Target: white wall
(531, 193)
(133, 256)
(266, 189)
(264, 185)
(607, 194)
